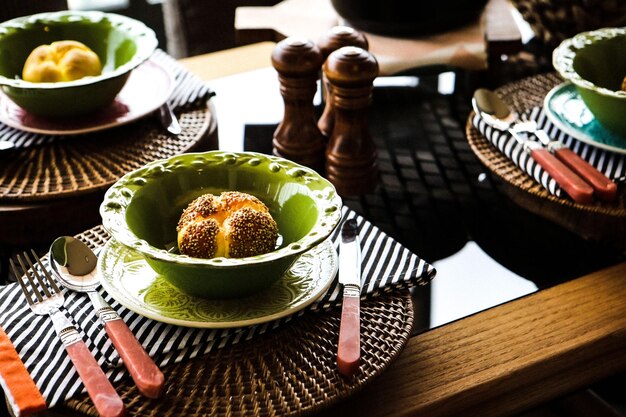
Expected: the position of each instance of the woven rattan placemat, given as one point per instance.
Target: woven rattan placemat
(604, 222)
(86, 163)
(287, 371)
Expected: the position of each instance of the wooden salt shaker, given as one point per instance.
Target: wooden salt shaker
(297, 137)
(351, 154)
(337, 37)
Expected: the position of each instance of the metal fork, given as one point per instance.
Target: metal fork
(49, 301)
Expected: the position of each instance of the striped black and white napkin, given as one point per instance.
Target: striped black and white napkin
(612, 164)
(387, 265)
(189, 91)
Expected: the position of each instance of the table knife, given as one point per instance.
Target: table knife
(349, 346)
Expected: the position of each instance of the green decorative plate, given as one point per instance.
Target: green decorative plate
(567, 111)
(133, 283)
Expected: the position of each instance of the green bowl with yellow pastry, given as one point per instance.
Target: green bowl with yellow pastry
(143, 208)
(120, 43)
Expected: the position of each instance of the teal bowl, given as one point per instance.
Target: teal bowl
(120, 42)
(595, 62)
(142, 209)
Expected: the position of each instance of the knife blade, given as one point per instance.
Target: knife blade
(349, 345)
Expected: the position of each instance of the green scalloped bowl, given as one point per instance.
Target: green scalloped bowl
(595, 62)
(120, 42)
(142, 209)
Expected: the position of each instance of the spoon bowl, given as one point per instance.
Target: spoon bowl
(74, 264)
(493, 110)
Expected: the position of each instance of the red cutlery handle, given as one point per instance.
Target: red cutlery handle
(605, 189)
(349, 348)
(105, 398)
(148, 377)
(570, 182)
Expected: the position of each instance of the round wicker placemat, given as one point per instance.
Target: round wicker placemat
(72, 166)
(598, 221)
(288, 371)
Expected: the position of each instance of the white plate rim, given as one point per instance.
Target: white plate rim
(103, 126)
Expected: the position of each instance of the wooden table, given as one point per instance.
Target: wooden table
(499, 361)
(476, 46)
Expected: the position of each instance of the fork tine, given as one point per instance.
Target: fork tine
(29, 277)
(46, 273)
(18, 277)
(33, 272)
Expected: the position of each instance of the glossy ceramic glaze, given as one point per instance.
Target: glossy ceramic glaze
(595, 62)
(147, 88)
(121, 44)
(129, 279)
(142, 209)
(567, 111)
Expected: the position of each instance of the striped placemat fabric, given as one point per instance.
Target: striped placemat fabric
(189, 91)
(612, 164)
(387, 265)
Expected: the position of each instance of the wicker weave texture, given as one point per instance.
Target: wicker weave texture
(556, 20)
(288, 371)
(71, 166)
(599, 221)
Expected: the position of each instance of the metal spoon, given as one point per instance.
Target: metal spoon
(491, 104)
(496, 114)
(74, 263)
(169, 120)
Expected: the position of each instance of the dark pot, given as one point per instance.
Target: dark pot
(408, 17)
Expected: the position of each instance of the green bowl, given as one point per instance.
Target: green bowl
(142, 209)
(595, 62)
(120, 42)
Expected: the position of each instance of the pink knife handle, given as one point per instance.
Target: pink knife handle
(149, 379)
(105, 398)
(349, 349)
(570, 182)
(604, 188)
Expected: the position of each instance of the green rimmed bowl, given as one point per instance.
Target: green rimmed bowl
(120, 42)
(595, 62)
(142, 209)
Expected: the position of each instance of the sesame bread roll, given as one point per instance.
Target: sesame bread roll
(232, 225)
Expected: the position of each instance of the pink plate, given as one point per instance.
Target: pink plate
(147, 88)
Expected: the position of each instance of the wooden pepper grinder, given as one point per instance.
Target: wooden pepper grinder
(337, 37)
(297, 137)
(351, 154)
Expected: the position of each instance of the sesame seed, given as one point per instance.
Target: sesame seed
(235, 224)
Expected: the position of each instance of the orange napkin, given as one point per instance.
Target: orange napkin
(22, 394)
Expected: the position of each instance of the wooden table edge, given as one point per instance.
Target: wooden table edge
(508, 358)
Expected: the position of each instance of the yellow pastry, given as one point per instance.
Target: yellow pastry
(232, 225)
(61, 61)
